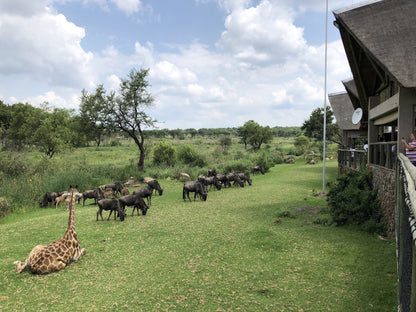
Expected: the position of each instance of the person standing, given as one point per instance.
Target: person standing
(411, 148)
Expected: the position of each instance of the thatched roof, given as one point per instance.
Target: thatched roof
(386, 30)
(343, 109)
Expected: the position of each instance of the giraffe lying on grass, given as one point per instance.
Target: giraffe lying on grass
(57, 255)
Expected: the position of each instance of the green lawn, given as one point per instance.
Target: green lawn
(231, 253)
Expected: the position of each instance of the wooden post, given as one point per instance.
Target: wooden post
(413, 289)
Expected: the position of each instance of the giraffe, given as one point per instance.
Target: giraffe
(57, 255)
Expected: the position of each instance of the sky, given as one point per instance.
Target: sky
(212, 63)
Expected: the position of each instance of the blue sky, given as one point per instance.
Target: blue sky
(213, 63)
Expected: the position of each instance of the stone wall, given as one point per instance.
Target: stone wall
(384, 180)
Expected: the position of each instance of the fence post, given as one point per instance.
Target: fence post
(404, 247)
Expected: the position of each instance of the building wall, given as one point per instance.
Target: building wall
(384, 181)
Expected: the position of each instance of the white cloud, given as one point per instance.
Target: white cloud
(128, 6)
(44, 46)
(261, 35)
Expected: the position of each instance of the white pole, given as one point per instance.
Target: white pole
(326, 61)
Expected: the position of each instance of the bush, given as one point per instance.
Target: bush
(352, 200)
(265, 159)
(189, 156)
(5, 207)
(164, 154)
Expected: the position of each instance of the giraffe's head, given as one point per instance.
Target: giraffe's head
(73, 188)
(20, 266)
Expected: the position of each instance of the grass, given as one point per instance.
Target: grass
(230, 253)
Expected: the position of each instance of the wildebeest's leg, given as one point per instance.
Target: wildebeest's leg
(100, 211)
(111, 211)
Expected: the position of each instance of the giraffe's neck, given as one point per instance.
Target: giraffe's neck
(71, 219)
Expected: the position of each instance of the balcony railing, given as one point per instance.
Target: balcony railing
(383, 154)
(352, 159)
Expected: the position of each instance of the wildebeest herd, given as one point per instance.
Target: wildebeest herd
(114, 198)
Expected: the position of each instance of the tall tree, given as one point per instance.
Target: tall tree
(92, 113)
(126, 110)
(24, 121)
(254, 134)
(53, 134)
(314, 126)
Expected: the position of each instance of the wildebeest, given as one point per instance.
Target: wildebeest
(48, 198)
(222, 178)
(257, 169)
(145, 192)
(233, 177)
(133, 200)
(97, 194)
(111, 204)
(196, 187)
(212, 173)
(154, 184)
(210, 181)
(245, 177)
(116, 187)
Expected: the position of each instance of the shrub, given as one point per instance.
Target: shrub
(352, 200)
(164, 154)
(265, 159)
(12, 165)
(5, 207)
(189, 156)
(237, 166)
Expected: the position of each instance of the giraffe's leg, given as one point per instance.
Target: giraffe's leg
(30, 260)
(78, 254)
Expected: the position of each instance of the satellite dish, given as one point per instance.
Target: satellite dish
(357, 115)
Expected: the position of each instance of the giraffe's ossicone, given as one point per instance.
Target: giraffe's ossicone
(57, 255)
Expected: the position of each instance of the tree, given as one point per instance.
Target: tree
(164, 154)
(302, 142)
(5, 118)
(314, 126)
(126, 111)
(24, 121)
(53, 134)
(246, 131)
(92, 113)
(225, 142)
(254, 134)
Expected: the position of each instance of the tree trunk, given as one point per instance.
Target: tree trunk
(140, 164)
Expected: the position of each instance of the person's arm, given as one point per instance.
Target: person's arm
(409, 147)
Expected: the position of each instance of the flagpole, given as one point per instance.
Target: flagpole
(326, 61)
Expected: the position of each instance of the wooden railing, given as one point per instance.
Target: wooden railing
(352, 159)
(383, 154)
(405, 212)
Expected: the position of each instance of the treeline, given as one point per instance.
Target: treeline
(52, 129)
(283, 132)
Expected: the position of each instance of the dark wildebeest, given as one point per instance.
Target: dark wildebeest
(196, 187)
(48, 198)
(113, 205)
(155, 186)
(97, 194)
(116, 187)
(210, 181)
(212, 173)
(145, 192)
(134, 200)
(222, 178)
(257, 169)
(245, 177)
(233, 177)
